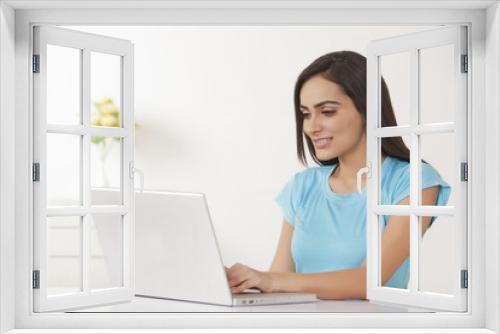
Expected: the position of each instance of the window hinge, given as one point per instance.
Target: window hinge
(464, 172)
(36, 63)
(465, 64)
(464, 279)
(36, 172)
(36, 279)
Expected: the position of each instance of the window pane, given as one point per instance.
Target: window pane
(106, 170)
(63, 169)
(436, 256)
(105, 89)
(63, 85)
(401, 274)
(438, 150)
(106, 251)
(395, 71)
(394, 171)
(437, 85)
(64, 257)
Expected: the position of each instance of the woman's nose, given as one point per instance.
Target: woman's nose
(314, 124)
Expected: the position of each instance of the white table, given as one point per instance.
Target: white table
(152, 305)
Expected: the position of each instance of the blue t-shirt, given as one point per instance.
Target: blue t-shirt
(330, 229)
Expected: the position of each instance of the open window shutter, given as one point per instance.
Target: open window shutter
(454, 38)
(83, 119)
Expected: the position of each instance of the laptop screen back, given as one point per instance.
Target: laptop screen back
(177, 255)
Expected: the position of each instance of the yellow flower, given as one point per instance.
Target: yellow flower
(109, 120)
(106, 114)
(108, 109)
(104, 100)
(96, 119)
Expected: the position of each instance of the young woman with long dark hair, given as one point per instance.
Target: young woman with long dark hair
(322, 246)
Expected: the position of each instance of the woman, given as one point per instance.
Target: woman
(322, 246)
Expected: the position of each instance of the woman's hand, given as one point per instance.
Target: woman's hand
(241, 277)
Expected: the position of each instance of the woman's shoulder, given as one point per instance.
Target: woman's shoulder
(395, 164)
(394, 172)
(312, 172)
(311, 175)
(394, 167)
(396, 175)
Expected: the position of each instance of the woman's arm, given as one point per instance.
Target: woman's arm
(351, 283)
(341, 284)
(283, 261)
(396, 236)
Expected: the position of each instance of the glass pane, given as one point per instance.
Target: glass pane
(392, 189)
(436, 255)
(106, 251)
(105, 89)
(64, 257)
(395, 71)
(63, 85)
(437, 84)
(438, 150)
(63, 169)
(401, 273)
(105, 170)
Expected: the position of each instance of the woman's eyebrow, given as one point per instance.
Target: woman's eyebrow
(319, 104)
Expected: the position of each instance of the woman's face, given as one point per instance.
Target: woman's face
(331, 120)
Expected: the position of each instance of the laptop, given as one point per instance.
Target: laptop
(177, 255)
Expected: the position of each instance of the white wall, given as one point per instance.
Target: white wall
(215, 110)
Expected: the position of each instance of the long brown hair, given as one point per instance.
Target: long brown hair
(348, 70)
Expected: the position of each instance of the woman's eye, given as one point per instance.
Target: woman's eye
(329, 112)
(324, 112)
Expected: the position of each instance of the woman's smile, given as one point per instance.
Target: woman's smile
(322, 142)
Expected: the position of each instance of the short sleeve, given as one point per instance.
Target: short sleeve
(430, 178)
(288, 200)
(401, 189)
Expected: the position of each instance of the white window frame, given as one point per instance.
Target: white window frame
(123, 51)
(412, 45)
(16, 18)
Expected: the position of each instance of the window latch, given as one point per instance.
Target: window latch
(365, 170)
(133, 171)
